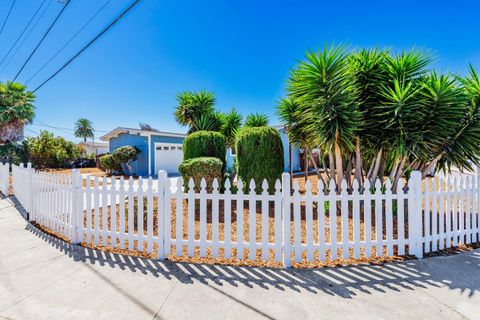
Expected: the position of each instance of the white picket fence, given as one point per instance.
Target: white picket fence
(146, 215)
(4, 178)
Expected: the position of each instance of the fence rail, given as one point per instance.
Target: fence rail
(155, 217)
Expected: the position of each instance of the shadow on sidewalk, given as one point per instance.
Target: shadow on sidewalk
(455, 272)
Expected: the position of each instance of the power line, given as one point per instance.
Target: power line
(43, 38)
(120, 16)
(69, 41)
(28, 34)
(62, 128)
(8, 15)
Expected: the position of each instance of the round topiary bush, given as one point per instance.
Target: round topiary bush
(259, 156)
(124, 156)
(205, 144)
(198, 168)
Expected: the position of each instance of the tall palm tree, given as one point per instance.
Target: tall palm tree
(192, 105)
(84, 129)
(16, 110)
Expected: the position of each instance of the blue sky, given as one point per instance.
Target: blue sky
(241, 50)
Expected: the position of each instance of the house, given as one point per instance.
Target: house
(95, 148)
(164, 150)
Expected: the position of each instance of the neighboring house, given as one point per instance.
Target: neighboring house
(164, 150)
(95, 148)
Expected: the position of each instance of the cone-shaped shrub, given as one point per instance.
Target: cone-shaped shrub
(259, 156)
(205, 144)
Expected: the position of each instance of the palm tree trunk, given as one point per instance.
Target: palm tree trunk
(399, 174)
(331, 161)
(358, 162)
(432, 165)
(290, 160)
(338, 163)
(374, 173)
(317, 169)
(305, 162)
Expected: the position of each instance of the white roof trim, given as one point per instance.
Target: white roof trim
(117, 131)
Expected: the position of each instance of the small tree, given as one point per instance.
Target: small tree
(124, 156)
(209, 168)
(256, 120)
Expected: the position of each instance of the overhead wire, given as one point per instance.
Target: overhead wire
(8, 15)
(23, 31)
(69, 41)
(120, 16)
(43, 38)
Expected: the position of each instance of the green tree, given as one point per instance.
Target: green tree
(16, 110)
(256, 120)
(192, 105)
(48, 151)
(232, 122)
(84, 129)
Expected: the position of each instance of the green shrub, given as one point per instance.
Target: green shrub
(107, 162)
(259, 156)
(205, 144)
(124, 156)
(48, 151)
(198, 168)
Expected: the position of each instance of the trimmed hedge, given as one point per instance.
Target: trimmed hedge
(202, 167)
(205, 144)
(259, 156)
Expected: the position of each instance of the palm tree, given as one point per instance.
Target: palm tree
(256, 120)
(84, 129)
(192, 105)
(232, 121)
(16, 110)
(321, 85)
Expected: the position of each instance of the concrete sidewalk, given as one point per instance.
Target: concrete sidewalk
(44, 278)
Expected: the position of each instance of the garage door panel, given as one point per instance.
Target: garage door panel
(168, 157)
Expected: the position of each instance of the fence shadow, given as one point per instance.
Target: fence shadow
(346, 281)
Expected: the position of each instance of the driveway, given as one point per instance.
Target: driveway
(44, 278)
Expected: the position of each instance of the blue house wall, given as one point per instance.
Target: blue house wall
(140, 166)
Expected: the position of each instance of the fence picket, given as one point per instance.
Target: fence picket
(378, 219)
(309, 219)
(104, 211)
(131, 213)
(389, 217)
(332, 215)
(278, 221)
(96, 217)
(240, 221)
(321, 221)
(179, 217)
(203, 218)
(297, 230)
(113, 212)
(121, 216)
(265, 206)
(469, 210)
(356, 219)
(88, 200)
(150, 215)
(461, 212)
(441, 215)
(455, 212)
(215, 218)
(252, 214)
(367, 203)
(434, 225)
(227, 221)
(344, 215)
(191, 217)
(400, 218)
(448, 214)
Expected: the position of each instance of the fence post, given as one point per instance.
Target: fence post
(415, 221)
(30, 193)
(286, 200)
(162, 176)
(77, 207)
